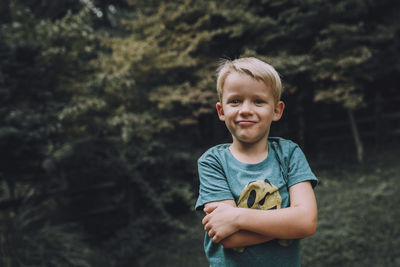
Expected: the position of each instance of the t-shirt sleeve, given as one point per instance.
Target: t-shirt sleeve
(213, 183)
(299, 170)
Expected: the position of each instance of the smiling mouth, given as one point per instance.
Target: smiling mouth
(246, 122)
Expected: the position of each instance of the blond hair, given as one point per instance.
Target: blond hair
(255, 68)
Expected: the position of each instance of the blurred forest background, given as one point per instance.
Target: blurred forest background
(107, 104)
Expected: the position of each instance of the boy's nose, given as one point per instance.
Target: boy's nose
(245, 109)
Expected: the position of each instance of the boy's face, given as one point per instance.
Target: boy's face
(248, 108)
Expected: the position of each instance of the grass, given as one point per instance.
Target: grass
(358, 215)
(358, 226)
(358, 220)
(179, 249)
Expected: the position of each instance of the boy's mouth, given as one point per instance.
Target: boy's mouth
(245, 122)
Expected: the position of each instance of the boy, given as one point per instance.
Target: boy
(257, 192)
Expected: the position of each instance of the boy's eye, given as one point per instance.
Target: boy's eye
(258, 101)
(235, 101)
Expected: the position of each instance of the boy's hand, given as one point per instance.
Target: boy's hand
(220, 221)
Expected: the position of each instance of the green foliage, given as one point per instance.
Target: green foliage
(39, 66)
(27, 238)
(42, 61)
(106, 105)
(346, 49)
(358, 216)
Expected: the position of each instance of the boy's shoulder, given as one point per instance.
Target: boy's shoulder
(282, 143)
(283, 148)
(214, 151)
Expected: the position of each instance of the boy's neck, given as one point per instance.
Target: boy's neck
(249, 153)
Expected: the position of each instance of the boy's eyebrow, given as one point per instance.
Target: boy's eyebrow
(229, 96)
(232, 93)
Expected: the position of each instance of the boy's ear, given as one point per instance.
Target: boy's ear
(220, 111)
(278, 111)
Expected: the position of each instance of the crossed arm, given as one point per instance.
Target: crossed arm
(237, 227)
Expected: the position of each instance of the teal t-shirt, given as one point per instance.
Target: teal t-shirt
(261, 186)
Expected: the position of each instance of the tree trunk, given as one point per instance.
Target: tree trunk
(356, 136)
(301, 119)
(379, 133)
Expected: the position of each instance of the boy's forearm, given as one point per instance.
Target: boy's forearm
(297, 221)
(287, 223)
(243, 239)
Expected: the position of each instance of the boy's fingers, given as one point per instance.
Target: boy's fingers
(210, 207)
(205, 219)
(210, 233)
(216, 239)
(214, 236)
(207, 226)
